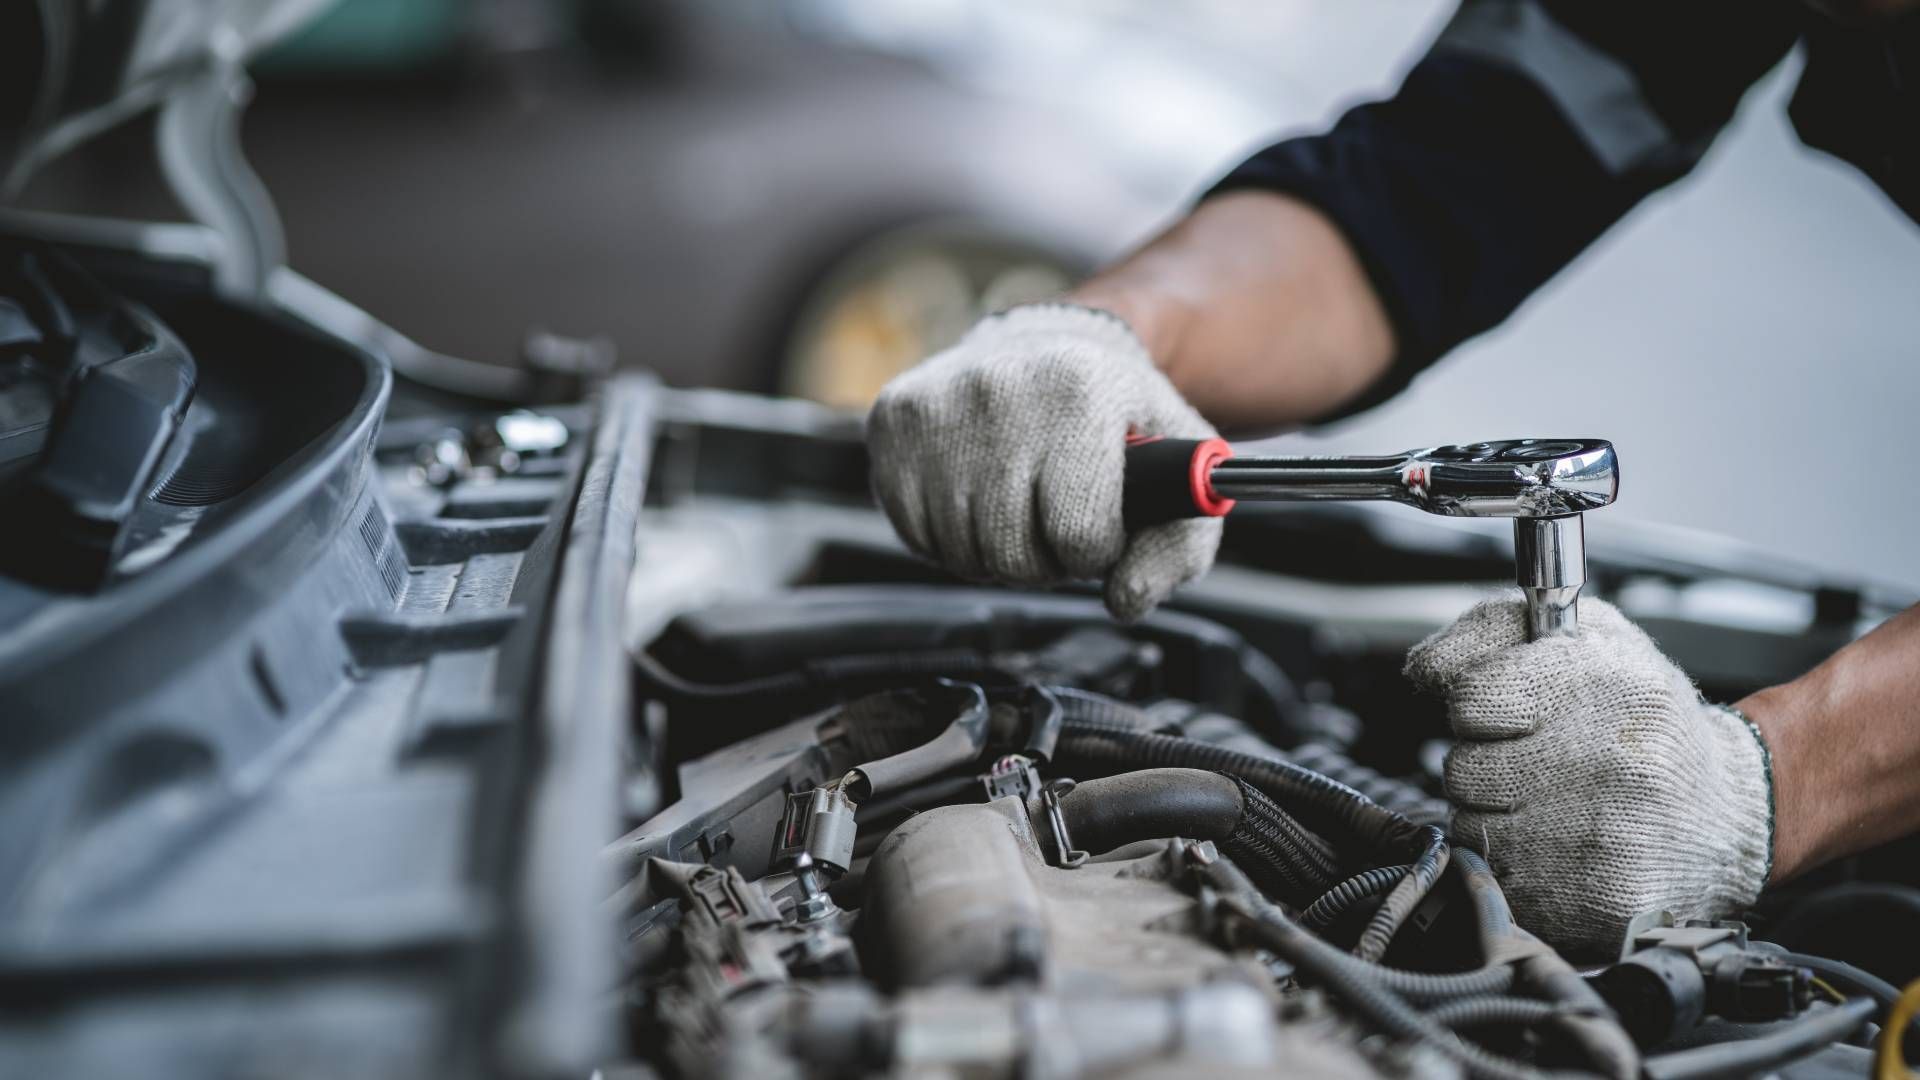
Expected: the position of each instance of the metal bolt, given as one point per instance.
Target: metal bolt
(814, 903)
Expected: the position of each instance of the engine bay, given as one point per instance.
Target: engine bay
(927, 829)
(622, 736)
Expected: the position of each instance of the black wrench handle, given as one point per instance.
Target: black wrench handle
(1171, 480)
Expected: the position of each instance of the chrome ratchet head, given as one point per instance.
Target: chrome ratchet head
(1544, 485)
(1513, 478)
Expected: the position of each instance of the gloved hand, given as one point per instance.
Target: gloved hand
(1002, 457)
(1593, 777)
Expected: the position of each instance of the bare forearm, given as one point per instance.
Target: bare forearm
(1257, 309)
(1845, 739)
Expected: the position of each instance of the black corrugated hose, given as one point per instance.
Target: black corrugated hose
(1425, 988)
(1405, 895)
(1544, 973)
(1494, 1009)
(1089, 709)
(1395, 794)
(1324, 912)
(1268, 836)
(1353, 980)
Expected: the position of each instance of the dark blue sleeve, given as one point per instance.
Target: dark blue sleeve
(1495, 165)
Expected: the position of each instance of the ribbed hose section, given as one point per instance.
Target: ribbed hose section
(1324, 806)
(1486, 1011)
(1404, 897)
(1397, 795)
(1282, 857)
(1424, 988)
(1333, 903)
(1099, 712)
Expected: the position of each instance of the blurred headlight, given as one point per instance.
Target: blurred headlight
(900, 298)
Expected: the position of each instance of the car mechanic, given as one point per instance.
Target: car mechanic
(1315, 280)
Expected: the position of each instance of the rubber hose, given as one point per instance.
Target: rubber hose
(956, 744)
(1324, 912)
(1817, 1028)
(1493, 919)
(1323, 805)
(1045, 712)
(1405, 895)
(1354, 981)
(1103, 814)
(904, 804)
(1486, 1011)
(1586, 1018)
(1283, 857)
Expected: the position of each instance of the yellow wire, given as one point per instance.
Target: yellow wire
(1826, 988)
(1891, 1062)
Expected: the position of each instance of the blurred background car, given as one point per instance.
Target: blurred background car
(800, 196)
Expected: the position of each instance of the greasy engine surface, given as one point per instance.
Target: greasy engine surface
(925, 831)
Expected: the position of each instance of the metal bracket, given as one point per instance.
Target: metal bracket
(1066, 856)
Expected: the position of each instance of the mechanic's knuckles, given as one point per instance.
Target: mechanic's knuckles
(1493, 705)
(954, 543)
(1485, 776)
(1486, 628)
(1010, 539)
(1158, 561)
(1080, 523)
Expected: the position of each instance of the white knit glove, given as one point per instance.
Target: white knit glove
(1594, 778)
(1002, 457)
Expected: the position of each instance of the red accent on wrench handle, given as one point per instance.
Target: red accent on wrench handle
(1171, 480)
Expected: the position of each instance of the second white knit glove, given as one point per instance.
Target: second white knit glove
(1003, 457)
(1593, 777)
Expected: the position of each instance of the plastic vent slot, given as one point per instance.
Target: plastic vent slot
(384, 548)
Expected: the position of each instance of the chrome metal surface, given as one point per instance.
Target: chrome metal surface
(1523, 478)
(1550, 563)
(1543, 484)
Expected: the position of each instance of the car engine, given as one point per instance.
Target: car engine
(919, 828)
